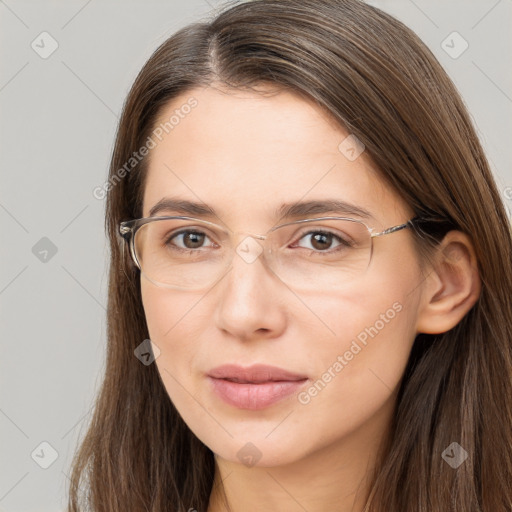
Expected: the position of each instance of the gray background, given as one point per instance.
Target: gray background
(58, 120)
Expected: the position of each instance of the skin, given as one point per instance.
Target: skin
(245, 154)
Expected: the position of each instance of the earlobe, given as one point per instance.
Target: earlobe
(452, 287)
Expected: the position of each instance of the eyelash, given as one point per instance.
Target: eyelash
(342, 243)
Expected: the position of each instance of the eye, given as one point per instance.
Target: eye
(324, 240)
(188, 239)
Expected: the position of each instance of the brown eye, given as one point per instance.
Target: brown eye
(323, 240)
(187, 239)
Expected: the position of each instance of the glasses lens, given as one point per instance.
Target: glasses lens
(309, 255)
(183, 254)
(321, 254)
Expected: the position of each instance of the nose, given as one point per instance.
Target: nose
(251, 300)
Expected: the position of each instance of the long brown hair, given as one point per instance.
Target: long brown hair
(380, 82)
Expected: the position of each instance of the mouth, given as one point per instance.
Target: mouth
(242, 381)
(254, 387)
(254, 374)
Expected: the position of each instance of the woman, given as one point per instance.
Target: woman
(304, 224)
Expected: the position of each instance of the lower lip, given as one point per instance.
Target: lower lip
(254, 396)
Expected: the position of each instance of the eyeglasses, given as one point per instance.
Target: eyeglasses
(186, 253)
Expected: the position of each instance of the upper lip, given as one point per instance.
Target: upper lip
(254, 374)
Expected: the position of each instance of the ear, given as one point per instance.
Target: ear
(452, 286)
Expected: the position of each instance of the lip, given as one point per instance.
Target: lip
(254, 387)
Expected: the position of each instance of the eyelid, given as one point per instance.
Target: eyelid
(345, 240)
(207, 231)
(310, 220)
(305, 224)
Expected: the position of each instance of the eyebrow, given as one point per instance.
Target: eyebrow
(285, 211)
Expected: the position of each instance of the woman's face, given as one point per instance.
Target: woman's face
(245, 155)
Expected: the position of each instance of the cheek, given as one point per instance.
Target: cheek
(368, 330)
(174, 327)
(179, 325)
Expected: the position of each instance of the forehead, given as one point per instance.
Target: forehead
(245, 154)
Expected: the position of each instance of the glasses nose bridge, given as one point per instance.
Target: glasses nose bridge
(238, 237)
(257, 247)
